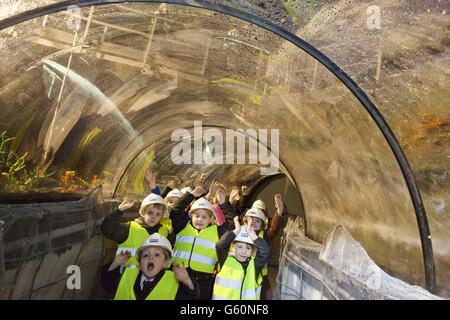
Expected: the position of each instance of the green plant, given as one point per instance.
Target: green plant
(289, 7)
(14, 174)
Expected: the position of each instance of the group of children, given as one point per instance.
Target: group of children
(187, 244)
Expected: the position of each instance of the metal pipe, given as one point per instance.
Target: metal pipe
(149, 43)
(58, 102)
(88, 24)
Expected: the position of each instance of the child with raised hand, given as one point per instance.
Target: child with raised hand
(170, 195)
(129, 235)
(150, 176)
(197, 235)
(234, 195)
(256, 218)
(240, 202)
(171, 199)
(240, 273)
(216, 195)
(151, 280)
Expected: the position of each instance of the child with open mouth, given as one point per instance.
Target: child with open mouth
(129, 235)
(151, 280)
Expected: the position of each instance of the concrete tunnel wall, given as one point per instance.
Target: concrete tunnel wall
(129, 87)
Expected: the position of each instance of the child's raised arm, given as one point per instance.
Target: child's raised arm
(112, 227)
(241, 205)
(150, 176)
(120, 259)
(179, 214)
(227, 209)
(262, 251)
(278, 220)
(224, 243)
(189, 288)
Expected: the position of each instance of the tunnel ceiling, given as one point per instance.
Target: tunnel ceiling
(134, 73)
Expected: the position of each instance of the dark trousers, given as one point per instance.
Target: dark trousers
(205, 282)
(266, 290)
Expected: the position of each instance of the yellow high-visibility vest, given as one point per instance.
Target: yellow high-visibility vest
(167, 222)
(233, 283)
(136, 235)
(197, 248)
(166, 289)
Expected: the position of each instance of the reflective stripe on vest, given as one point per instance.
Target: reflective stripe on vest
(183, 255)
(197, 249)
(230, 283)
(166, 289)
(198, 242)
(136, 235)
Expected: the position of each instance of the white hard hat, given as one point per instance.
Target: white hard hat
(152, 199)
(186, 189)
(256, 213)
(202, 203)
(155, 240)
(259, 204)
(243, 236)
(174, 193)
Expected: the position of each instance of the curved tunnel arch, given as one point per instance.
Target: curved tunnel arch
(128, 161)
(347, 81)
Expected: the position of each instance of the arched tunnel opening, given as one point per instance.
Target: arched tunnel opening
(92, 94)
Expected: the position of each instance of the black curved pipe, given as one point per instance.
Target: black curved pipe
(422, 221)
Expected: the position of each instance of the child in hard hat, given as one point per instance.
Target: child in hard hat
(260, 221)
(171, 194)
(240, 274)
(197, 235)
(256, 217)
(129, 235)
(186, 189)
(171, 199)
(150, 176)
(151, 280)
